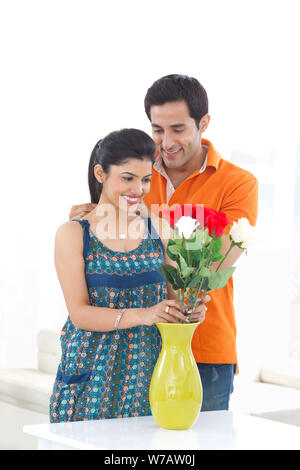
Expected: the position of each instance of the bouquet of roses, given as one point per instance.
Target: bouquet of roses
(195, 246)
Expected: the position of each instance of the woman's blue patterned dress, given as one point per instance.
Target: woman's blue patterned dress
(107, 374)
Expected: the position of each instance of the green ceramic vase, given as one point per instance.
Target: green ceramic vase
(175, 388)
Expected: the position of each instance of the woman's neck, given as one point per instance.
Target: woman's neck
(113, 221)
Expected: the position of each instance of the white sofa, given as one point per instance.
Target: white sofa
(273, 393)
(25, 394)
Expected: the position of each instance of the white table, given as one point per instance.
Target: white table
(213, 430)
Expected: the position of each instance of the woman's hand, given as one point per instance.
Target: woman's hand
(167, 311)
(200, 310)
(78, 212)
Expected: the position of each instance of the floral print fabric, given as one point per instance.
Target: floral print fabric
(107, 374)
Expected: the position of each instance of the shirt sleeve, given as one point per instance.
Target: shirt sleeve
(242, 199)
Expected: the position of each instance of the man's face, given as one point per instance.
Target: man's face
(175, 134)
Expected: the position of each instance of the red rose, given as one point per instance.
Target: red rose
(209, 211)
(216, 221)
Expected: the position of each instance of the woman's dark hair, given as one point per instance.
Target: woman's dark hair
(177, 88)
(115, 149)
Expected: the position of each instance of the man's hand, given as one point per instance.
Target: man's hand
(200, 310)
(167, 311)
(78, 212)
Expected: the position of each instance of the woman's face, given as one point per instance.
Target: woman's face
(125, 185)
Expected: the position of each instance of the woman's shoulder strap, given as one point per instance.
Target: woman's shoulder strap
(86, 236)
(153, 233)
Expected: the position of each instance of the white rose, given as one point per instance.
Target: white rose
(242, 231)
(186, 226)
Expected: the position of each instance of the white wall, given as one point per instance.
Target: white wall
(71, 71)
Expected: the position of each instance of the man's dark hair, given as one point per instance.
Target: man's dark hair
(177, 88)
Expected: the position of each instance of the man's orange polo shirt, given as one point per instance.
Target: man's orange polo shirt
(224, 187)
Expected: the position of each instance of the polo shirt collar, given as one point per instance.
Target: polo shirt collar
(213, 157)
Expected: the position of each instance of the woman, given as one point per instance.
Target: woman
(107, 265)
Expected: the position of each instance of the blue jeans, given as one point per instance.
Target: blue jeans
(217, 384)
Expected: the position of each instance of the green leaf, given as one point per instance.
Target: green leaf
(185, 270)
(204, 237)
(205, 252)
(219, 279)
(204, 284)
(205, 272)
(217, 257)
(196, 280)
(173, 251)
(196, 255)
(217, 245)
(182, 261)
(188, 271)
(171, 275)
(168, 271)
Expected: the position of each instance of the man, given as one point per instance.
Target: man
(188, 170)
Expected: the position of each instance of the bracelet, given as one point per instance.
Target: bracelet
(119, 318)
